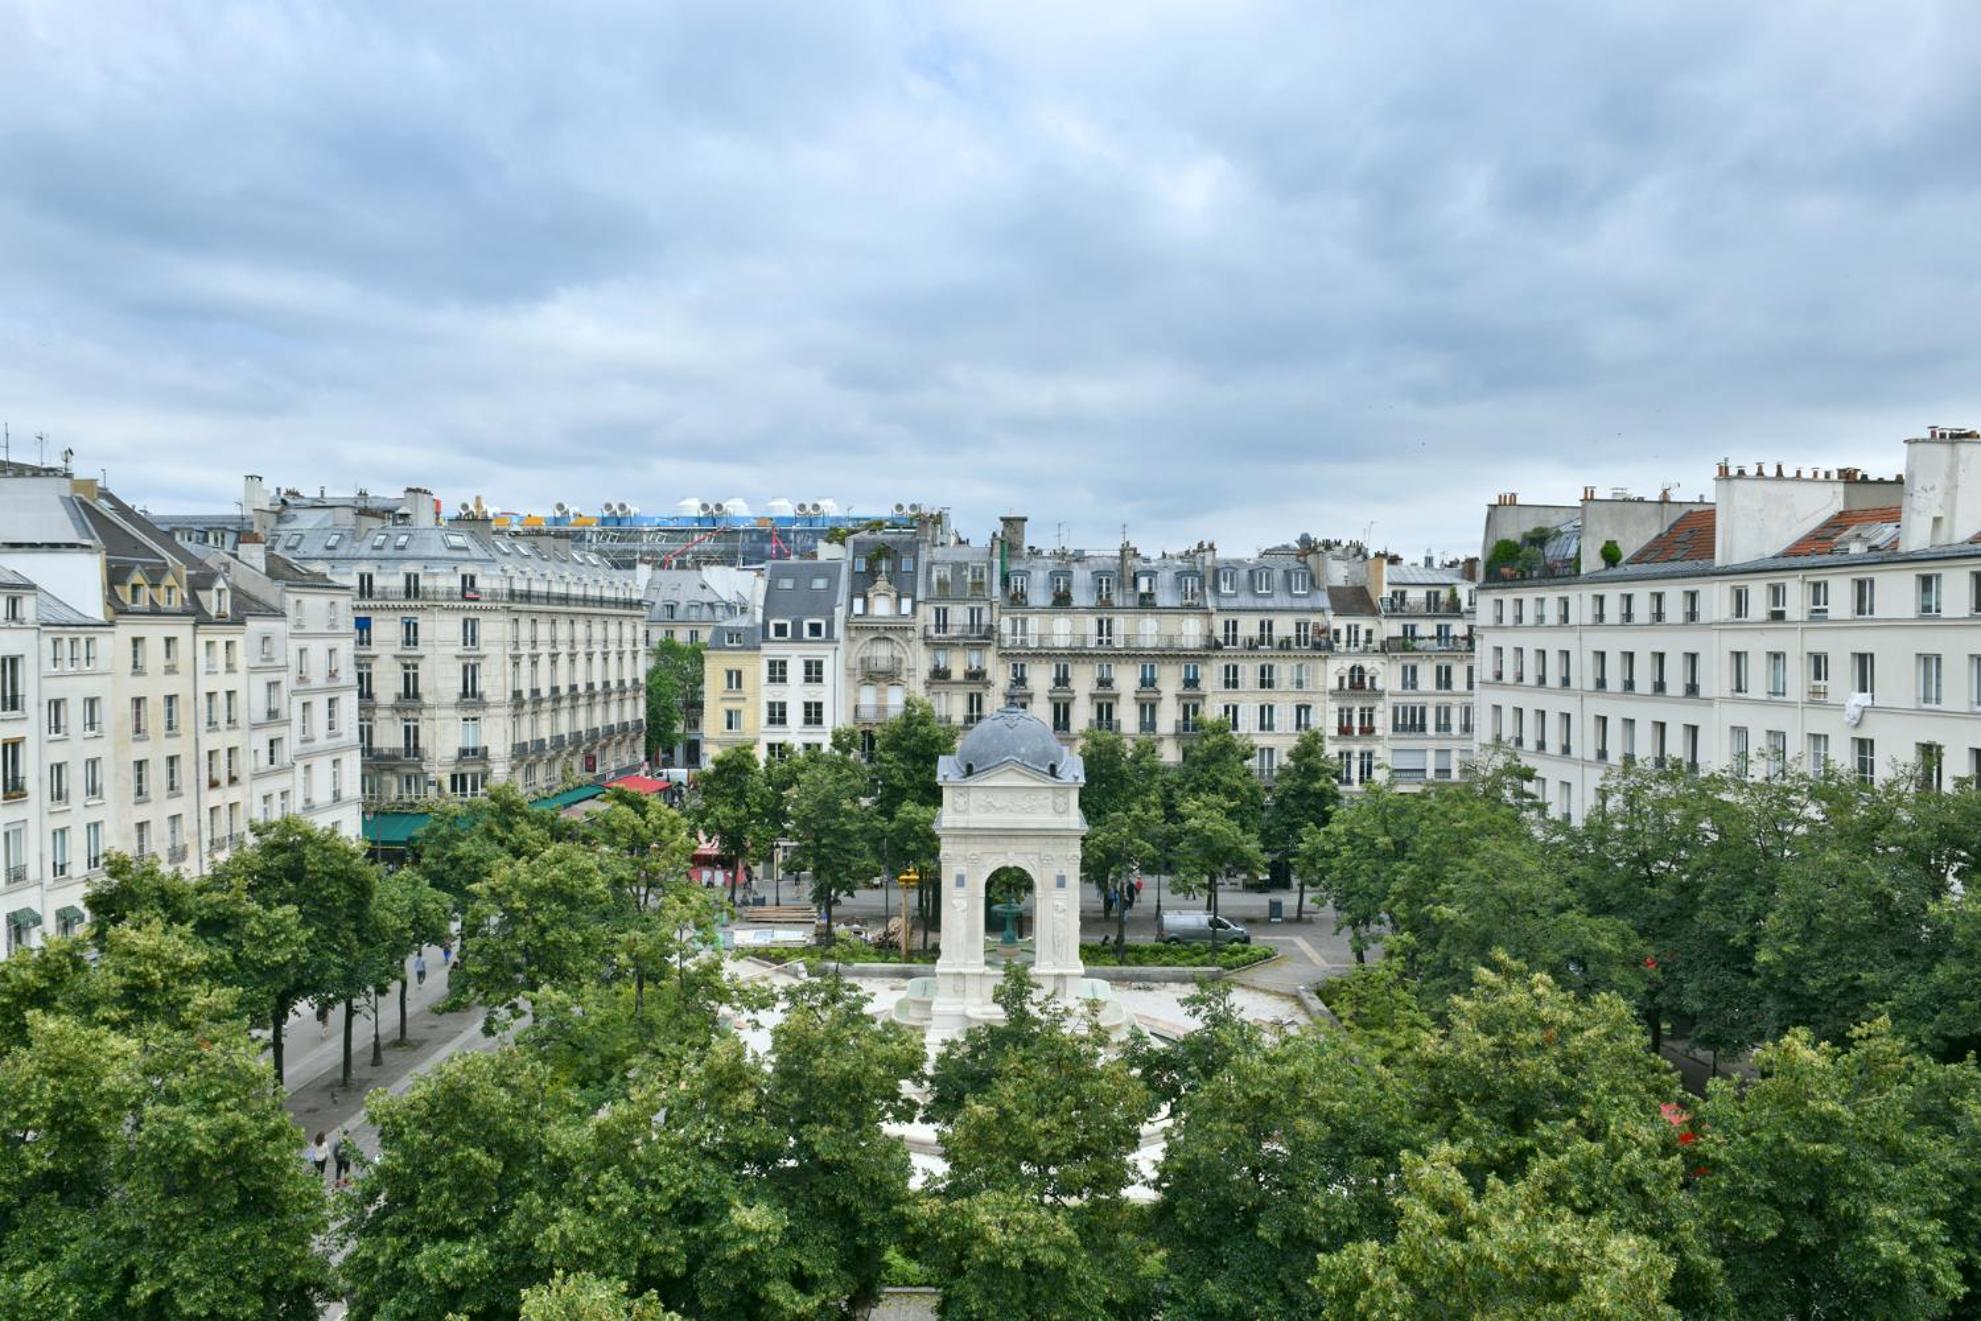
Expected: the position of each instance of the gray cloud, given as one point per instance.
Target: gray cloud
(1233, 271)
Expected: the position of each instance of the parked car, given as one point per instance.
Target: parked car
(1200, 928)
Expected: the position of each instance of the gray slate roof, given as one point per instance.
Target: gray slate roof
(805, 589)
(1012, 735)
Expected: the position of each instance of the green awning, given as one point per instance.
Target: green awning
(24, 917)
(71, 914)
(558, 802)
(393, 830)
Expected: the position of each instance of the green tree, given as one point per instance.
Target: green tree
(1038, 1121)
(331, 886)
(1826, 1194)
(463, 842)
(1506, 1252)
(1305, 794)
(1276, 1153)
(1211, 844)
(906, 797)
(149, 1170)
(655, 911)
(450, 1218)
(1355, 859)
(674, 687)
(407, 916)
(835, 1078)
(585, 1297)
(735, 806)
(238, 941)
(544, 922)
(831, 828)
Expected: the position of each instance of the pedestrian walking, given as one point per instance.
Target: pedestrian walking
(446, 954)
(323, 1019)
(319, 1154)
(419, 968)
(342, 1154)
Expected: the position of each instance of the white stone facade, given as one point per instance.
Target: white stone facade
(1835, 646)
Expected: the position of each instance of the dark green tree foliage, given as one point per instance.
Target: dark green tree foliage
(1305, 794)
(1038, 1122)
(674, 687)
(1830, 1190)
(710, 1182)
(830, 824)
(1216, 812)
(147, 1168)
(735, 806)
(462, 843)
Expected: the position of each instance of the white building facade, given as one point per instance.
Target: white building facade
(1830, 620)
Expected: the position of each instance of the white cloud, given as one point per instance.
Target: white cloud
(1231, 271)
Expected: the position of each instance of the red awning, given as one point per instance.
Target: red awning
(639, 784)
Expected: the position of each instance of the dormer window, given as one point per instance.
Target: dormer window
(1227, 581)
(400, 542)
(1103, 589)
(1020, 589)
(1262, 582)
(333, 541)
(1062, 589)
(1190, 588)
(1301, 581)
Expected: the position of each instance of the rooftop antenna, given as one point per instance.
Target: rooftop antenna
(41, 449)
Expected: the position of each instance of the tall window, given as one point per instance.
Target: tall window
(1864, 597)
(1931, 686)
(1929, 593)
(1864, 759)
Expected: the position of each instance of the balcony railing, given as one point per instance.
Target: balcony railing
(475, 753)
(876, 711)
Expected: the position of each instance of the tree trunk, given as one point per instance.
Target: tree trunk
(1300, 902)
(281, 1021)
(347, 1045)
(1213, 903)
(1656, 1022)
(377, 1046)
(1121, 925)
(828, 917)
(402, 1010)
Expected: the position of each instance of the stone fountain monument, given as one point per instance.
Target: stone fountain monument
(1010, 798)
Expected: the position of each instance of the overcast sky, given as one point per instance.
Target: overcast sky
(1225, 270)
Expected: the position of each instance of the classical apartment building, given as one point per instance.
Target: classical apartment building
(478, 656)
(802, 685)
(701, 605)
(146, 723)
(55, 689)
(1826, 618)
(1318, 636)
(303, 692)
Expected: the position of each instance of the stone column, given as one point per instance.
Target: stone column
(962, 984)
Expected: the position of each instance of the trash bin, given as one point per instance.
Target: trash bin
(1275, 910)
